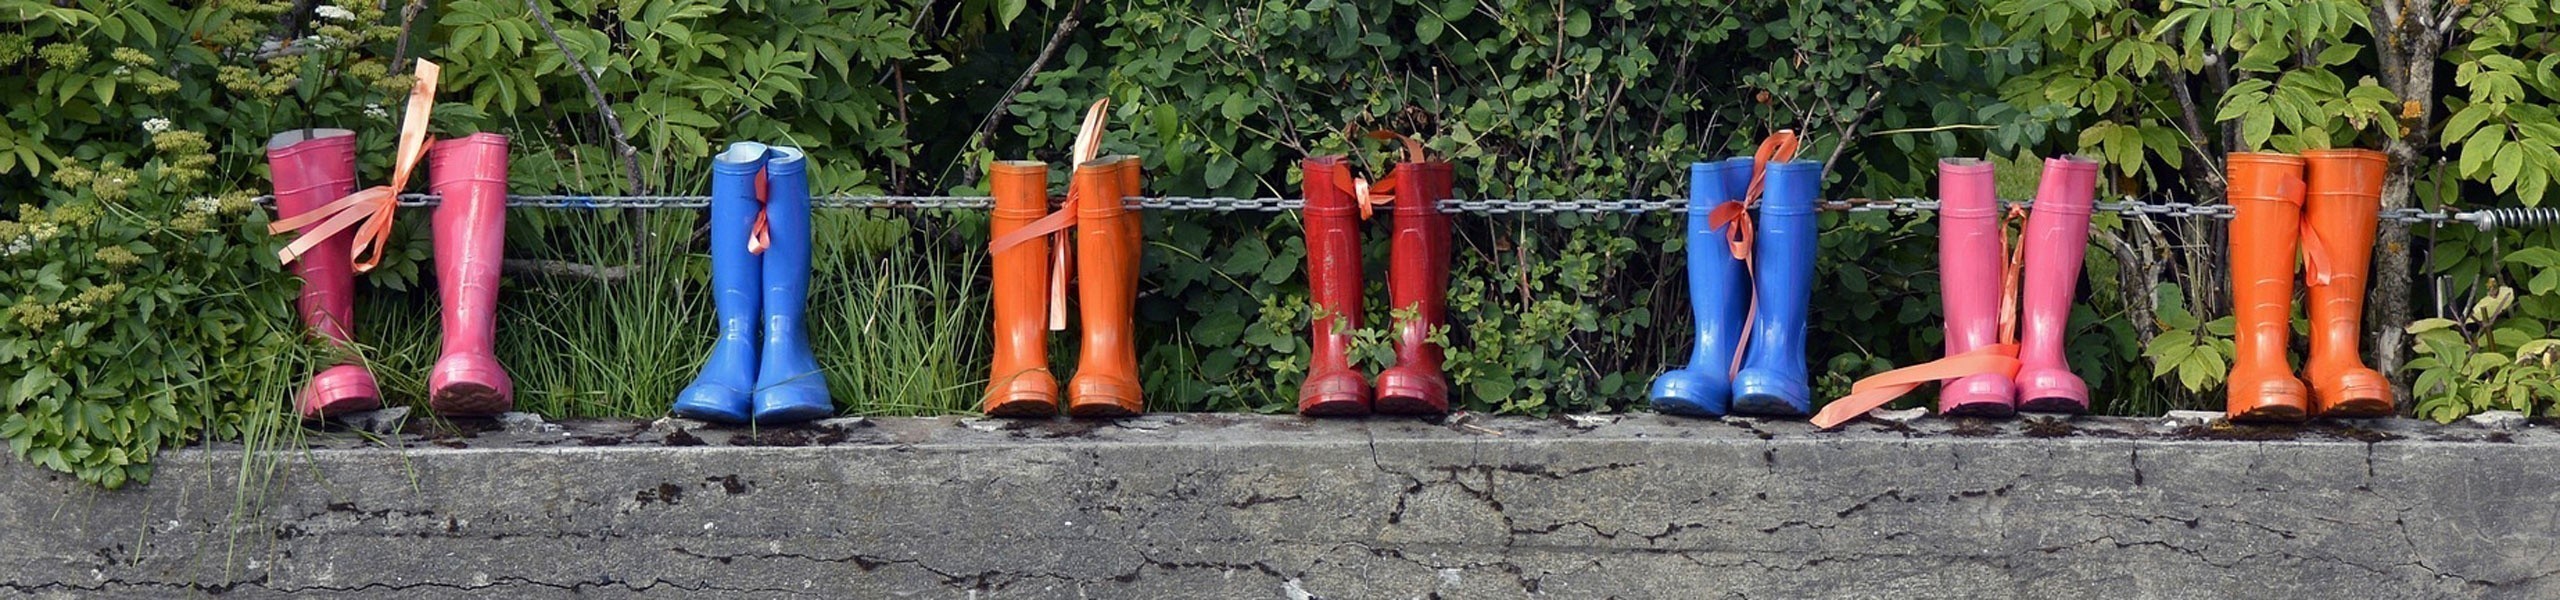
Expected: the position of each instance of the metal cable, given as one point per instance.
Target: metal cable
(2484, 219)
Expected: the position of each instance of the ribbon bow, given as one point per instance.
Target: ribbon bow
(2000, 358)
(1371, 195)
(1088, 145)
(1734, 217)
(369, 210)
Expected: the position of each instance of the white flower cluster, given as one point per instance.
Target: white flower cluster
(18, 246)
(155, 125)
(376, 111)
(204, 204)
(334, 13)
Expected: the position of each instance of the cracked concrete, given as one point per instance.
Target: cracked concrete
(1239, 506)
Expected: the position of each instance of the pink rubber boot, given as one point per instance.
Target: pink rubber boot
(1970, 282)
(2056, 237)
(311, 168)
(470, 173)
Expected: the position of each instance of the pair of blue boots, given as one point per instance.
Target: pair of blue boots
(1769, 379)
(761, 370)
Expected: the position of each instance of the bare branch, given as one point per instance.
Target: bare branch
(604, 107)
(995, 114)
(2448, 24)
(408, 19)
(557, 268)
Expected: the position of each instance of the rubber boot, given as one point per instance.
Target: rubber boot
(1019, 383)
(789, 386)
(470, 175)
(1718, 296)
(2055, 240)
(2266, 202)
(1970, 282)
(1332, 215)
(723, 393)
(1107, 245)
(1772, 380)
(2344, 202)
(311, 168)
(1418, 283)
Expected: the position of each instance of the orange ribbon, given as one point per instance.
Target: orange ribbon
(2316, 258)
(1372, 195)
(1088, 145)
(1734, 217)
(369, 210)
(760, 238)
(1999, 359)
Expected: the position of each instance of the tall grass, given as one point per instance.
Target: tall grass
(895, 315)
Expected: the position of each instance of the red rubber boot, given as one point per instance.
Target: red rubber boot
(1333, 387)
(1418, 281)
(470, 174)
(311, 168)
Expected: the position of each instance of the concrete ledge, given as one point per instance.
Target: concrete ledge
(1238, 506)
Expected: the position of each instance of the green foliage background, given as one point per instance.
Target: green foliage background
(1530, 99)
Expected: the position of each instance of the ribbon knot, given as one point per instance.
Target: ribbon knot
(369, 211)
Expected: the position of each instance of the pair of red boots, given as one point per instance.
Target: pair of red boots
(1417, 286)
(314, 168)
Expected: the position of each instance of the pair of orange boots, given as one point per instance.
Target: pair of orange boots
(1029, 288)
(2323, 204)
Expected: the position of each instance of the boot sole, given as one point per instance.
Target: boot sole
(469, 400)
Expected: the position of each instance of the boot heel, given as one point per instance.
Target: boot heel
(1410, 392)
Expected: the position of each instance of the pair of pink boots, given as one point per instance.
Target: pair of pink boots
(314, 167)
(1976, 280)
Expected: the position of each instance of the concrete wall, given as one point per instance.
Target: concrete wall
(1231, 506)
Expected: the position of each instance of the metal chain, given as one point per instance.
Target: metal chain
(2483, 219)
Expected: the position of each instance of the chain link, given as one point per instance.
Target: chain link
(2483, 219)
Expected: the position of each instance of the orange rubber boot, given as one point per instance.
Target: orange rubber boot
(2344, 201)
(2266, 201)
(1107, 244)
(1019, 383)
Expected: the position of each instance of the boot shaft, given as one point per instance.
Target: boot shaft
(2266, 196)
(737, 273)
(469, 176)
(1719, 289)
(1334, 278)
(1020, 274)
(310, 169)
(787, 227)
(1969, 253)
(1418, 274)
(1107, 245)
(2342, 204)
(1783, 253)
(2055, 241)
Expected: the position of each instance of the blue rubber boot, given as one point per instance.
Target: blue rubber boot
(1718, 295)
(789, 387)
(1772, 381)
(722, 393)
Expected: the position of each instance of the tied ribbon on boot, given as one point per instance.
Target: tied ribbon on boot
(1372, 195)
(1998, 359)
(369, 210)
(760, 237)
(2316, 265)
(1088, 145)
(1734, 217)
